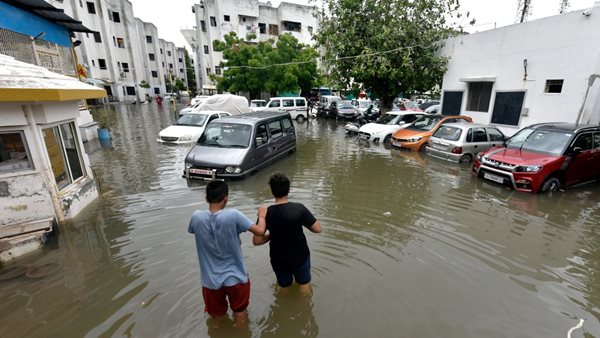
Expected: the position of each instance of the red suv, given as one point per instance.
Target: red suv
(543, 157)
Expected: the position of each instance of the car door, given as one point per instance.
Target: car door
(287, 105)
(276, 137)
(496, 138)
(479, 140)
(580, 167)
(301, 108)
(261, 144)
(275, 104)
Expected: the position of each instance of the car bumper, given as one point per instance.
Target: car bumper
(444, 155)
(408, 145)
(209, 174)
(173, 142)
(525, 182)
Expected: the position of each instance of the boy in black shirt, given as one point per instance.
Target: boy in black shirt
(290, 257)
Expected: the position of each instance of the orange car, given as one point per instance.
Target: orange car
(415, 136)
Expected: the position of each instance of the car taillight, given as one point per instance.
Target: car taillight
(457, 150)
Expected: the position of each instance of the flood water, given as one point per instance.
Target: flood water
(411, 247)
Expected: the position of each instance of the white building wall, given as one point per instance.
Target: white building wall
(564, 47)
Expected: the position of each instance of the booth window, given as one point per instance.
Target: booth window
(479, 96)
(554, 86)
(14, 155)
(63, 150)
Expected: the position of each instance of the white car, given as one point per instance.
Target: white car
(258, 105)
(189, 127)
(382, 129)
(362, 105)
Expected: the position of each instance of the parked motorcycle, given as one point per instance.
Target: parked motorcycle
(354, 126)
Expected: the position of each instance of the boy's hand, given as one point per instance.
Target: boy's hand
(262, 211)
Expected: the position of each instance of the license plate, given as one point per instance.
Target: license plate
(494, 178)
(201, 171)
(439, 146)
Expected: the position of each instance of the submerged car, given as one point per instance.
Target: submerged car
(386, 125)
(460, 142)
(236, 146)
(416, 135)
(343, 109)
(189, 127)
(543, 158)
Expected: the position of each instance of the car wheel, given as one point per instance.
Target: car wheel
(422, 147)
(387, 139)
(300, 118)
(466, 158)
(551, 184)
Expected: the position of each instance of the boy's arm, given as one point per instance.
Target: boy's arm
(260, 240)
(260, 227)
(316, 227)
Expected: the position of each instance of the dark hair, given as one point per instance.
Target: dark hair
(280, 185)
(216, 191)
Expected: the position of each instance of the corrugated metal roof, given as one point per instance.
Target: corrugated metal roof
(44, 10)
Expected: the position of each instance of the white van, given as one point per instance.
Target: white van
(296, 106)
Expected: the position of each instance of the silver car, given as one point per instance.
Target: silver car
(459, 142)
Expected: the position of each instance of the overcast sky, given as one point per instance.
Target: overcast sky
(171, 16)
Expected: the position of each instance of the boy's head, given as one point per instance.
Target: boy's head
(280, 185)
(216, 191)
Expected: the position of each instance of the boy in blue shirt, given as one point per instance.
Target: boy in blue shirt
(223, 274)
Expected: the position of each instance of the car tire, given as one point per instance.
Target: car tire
(387, 139)
(300, 118)
(466, 159)
(551, 184)
(422, 147)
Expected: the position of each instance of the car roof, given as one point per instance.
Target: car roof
(468, 125)
(253, 117)
(563, 126)
(288, 97)
(206, 112)
(258, 101)
(405, 112)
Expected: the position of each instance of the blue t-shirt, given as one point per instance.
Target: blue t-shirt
(218, 245)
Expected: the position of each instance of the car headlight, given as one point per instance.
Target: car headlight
(528, 168)
(188, 165)
(185, 138)
(233, 170)
(415, 139)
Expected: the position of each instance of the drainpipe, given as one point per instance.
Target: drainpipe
(591, 81)
(45, 169)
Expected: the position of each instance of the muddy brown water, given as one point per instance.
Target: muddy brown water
(412, 247)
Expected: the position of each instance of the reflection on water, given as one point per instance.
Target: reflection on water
(412, 246)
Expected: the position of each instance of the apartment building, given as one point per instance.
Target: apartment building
(216, 18)
(122, 51)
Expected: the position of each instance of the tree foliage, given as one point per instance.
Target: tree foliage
(285, 65)
(396, 42)
(189, 68)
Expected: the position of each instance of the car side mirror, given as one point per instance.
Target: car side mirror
(402, 122)
(576, 151)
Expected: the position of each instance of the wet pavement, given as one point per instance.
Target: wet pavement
(412, 247)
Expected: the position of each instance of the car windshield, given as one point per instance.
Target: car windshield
(226, 135)
(364, 104)
(448, 133)
(541, 141)
(258, 103)
(344, 105)
(191, 120)
(389, 119)
(425, 123)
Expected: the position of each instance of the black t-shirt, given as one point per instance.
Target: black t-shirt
(288, 247)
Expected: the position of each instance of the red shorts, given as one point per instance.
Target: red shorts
(215, 301)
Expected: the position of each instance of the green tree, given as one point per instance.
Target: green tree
(144, 84)
(265, 66)
(396, 41)
(179, 84)
(189, 69)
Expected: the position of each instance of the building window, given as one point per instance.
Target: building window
(180, 70)
(154, 73)
(161, 51)
(156, 90)
(169, 53)
(205, 49)
(226, 18)
(62, 146)
(180, 60)
(130, 90)
(97, 37)
(203, 25)
(163, 63)
(91, 7)
(213, 21)
(80, 3)
(125, 67)
(479, 96)
(116, 17)
(310, 29)
(508, 107)
(171, 65)
(217, 70)
(148, 39)
(553, 86)
(120, 43)
(243, 19)
(208, 70)
(273, 29)
(292, 26)
(93, 63)
(114, 41)
(152, 57)
(262, 28)
(102, 63)
(14, 154)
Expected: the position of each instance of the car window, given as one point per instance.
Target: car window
(213, 117)
(495, 134)
(274, 103)
(224, 114)
(288, 128)
(597, 140)
(479, 135)
(408, 118)
(262, 136)
(448, 133)
(275, 129)
(300, 103)
(470, 135)
(584, 141)
(288, 103)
